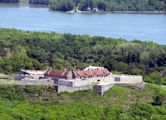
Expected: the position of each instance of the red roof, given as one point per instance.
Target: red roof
(89, 72)
(56, 73)
(78, 73)
(96, 72)
(105, 71)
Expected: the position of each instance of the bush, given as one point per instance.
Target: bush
(62, 5)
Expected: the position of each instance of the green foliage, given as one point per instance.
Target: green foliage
(121, 66)
(37, 50)
(43, 103)
(16, 92)
(156, 78)
(140, 111)
(103, 5)
(159, 97)
(113, 5)
(62, 5)
(136, 71)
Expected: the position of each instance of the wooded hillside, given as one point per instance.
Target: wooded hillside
(101, 5)
(109, 5)
(37, 50)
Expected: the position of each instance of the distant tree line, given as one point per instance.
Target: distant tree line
(9, 1)
(109, 5)
(36, 50)
(42, 2)
(102, 5)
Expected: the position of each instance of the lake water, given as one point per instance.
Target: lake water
(129, 26)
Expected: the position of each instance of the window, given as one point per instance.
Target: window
(117, 79)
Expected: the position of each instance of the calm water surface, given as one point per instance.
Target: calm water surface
(129, 26)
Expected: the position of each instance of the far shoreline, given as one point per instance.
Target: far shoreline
(62, 33)
(138, 12)
(117, 12)
(8, 5)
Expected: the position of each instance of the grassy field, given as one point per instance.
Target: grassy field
(43, 103)
(7, 79)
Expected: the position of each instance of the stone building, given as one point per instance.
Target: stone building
(30, 74)
(89, 72)
(99, 78)
(58, 74)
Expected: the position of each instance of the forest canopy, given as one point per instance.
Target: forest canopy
(101, 5)
(109, 5)
(38, 50)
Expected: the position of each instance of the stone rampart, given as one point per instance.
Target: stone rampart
(128, 78)
(82, 82)
(36, 82)
(64, 88)
(101, 88)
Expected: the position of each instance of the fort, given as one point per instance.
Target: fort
(92, 77)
